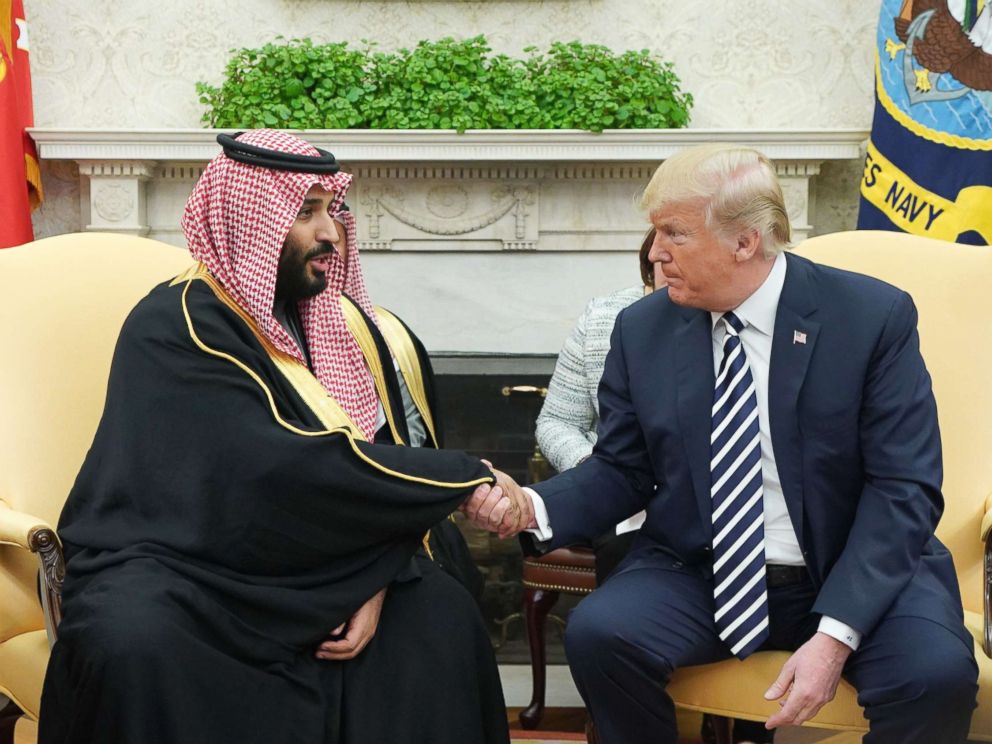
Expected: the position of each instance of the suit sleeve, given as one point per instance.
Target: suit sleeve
(901, 500)
(617, 480)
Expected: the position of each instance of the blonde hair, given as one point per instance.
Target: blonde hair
(738, 184)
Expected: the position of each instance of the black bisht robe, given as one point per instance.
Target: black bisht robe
(218, 531)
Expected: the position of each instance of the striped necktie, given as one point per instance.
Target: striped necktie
(736, 501)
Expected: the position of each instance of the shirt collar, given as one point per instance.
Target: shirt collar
(758, 310)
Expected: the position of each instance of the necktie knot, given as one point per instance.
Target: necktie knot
(733, 322)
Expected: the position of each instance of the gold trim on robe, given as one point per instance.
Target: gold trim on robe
(403, 350)
(356, 322)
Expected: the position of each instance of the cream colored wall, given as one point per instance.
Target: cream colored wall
(755, 64)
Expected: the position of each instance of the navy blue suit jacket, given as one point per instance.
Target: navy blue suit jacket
(854, 429)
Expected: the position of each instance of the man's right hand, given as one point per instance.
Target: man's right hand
(504, 508)
(523, 505)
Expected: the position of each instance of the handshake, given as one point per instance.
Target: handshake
(504, 508)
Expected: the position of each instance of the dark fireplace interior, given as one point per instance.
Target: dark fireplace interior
(480, 418)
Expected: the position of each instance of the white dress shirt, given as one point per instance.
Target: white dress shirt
(757, 313)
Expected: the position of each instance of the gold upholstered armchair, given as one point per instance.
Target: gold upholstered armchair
(952, 287)
(62, 303)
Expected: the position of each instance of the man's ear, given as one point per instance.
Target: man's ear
(748, 244)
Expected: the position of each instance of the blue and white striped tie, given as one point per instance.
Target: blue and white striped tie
(737, 503)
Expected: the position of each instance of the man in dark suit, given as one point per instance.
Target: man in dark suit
(785, 415)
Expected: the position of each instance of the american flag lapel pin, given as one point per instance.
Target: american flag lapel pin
(798, 337)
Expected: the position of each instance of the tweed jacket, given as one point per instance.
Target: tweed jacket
(566, 426)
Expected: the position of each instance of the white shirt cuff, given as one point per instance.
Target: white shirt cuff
(632, 523)
(843, 633)
(543, 530)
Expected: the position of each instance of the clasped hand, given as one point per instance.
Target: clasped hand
(504, 508)
(357, 632)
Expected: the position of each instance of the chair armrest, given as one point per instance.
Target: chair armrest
(37, 536)
(19, 528)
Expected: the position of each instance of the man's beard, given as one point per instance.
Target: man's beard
(294, 280)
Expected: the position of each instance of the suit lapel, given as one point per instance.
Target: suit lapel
(694, 347)
(792, 348)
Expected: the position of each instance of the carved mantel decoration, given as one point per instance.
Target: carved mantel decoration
(447, 208)
(117, 196)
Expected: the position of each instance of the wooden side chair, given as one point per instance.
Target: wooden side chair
(568, 570)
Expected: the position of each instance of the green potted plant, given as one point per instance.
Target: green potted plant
(445, 84)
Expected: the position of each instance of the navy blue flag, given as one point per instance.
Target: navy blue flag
(928, 169)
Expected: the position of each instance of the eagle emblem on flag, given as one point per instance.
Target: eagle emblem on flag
(928, 167)
(944, 38)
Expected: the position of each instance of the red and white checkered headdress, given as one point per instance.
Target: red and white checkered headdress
(236, 221)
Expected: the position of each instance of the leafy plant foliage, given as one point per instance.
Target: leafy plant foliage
(445, 84)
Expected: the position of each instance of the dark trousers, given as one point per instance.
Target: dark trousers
(610, 550)
(916, 679)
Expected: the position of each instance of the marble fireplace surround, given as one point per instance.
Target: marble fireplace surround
(488, 243)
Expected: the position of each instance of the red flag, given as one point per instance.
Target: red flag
(20, 176)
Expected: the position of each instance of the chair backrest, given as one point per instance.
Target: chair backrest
(62, 303)
(952, 288)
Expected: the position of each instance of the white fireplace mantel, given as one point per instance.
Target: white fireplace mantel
(548, 216)
(430, 146)
(119, 163)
